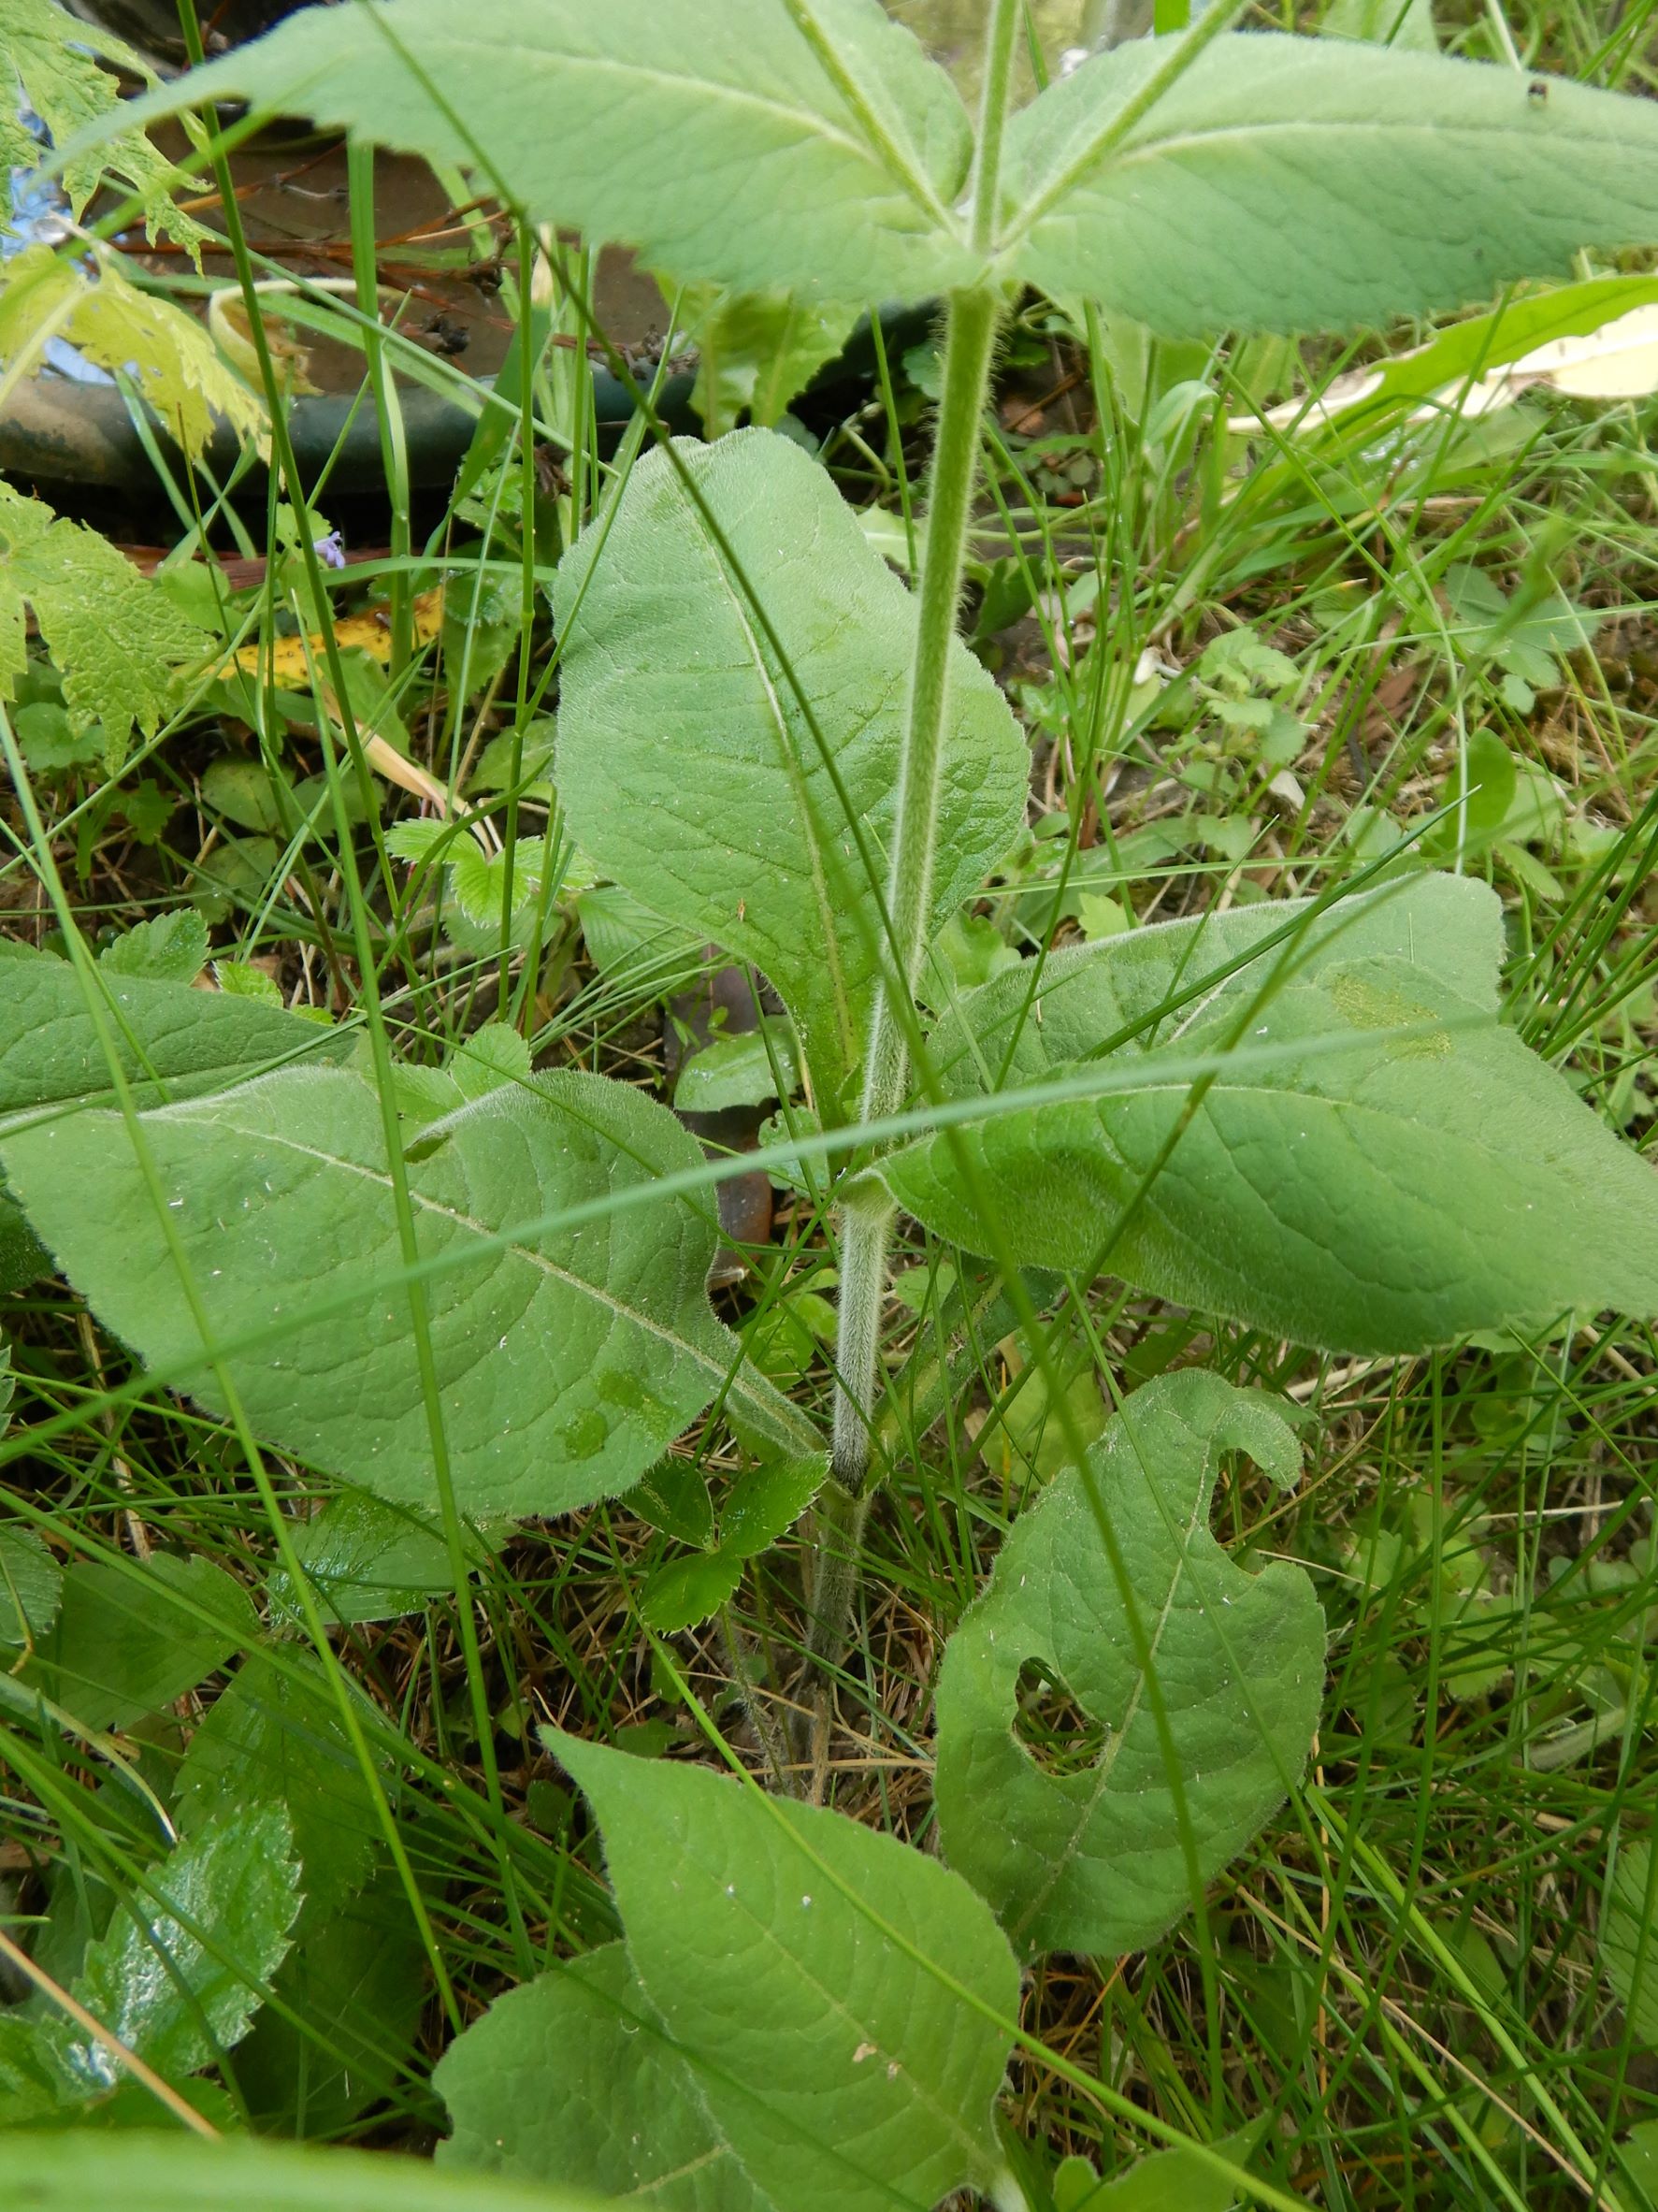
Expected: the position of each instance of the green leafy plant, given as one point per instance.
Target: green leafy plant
(1309, 1118)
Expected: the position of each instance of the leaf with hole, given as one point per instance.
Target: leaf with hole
(745, 800)
(567, 1359)
(1332, 1137)
(1187, 1690)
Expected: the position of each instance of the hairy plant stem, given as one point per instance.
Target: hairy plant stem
(970, 341)
(971, 334)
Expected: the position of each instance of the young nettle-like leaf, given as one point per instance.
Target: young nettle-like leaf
(176, 1979)
(119, 641)
(1286, 183)
(1187, 1690)
(756, 350)
(1337, 1142)
(168, 949)
(567, 1359)
(750, 799)
(367, 1560)
(793, 2026)
(715, 140)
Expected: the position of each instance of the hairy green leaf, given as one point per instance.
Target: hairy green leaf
(170, 1041)
(1377, 1165)
(716, 144)
(1287, 184)
(804, 2006)
(65, 2172)
(1088, 1834)
(691, 770)
(567, 1360)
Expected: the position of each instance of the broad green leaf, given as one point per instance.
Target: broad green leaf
(68, 2171)
(177, 1977)
(1377, 1165)
(357, 1982)
(717, 145)
(168, 949)
(275, 1737)
(691, 774)
(366, 1561)
(129, 1640)
(627, 2120)
(31, 1583)
(170, 1041)
(739, 1071)
(1287, 184)
(756, 350)
(567, 1360)
(1629, 1939)
(1081, 1844)
(817, 1983)
(118, 643)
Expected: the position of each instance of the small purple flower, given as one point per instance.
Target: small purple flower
(332, 551)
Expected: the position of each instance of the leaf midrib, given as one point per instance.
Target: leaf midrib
(1255, 134)
(737, 1383)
